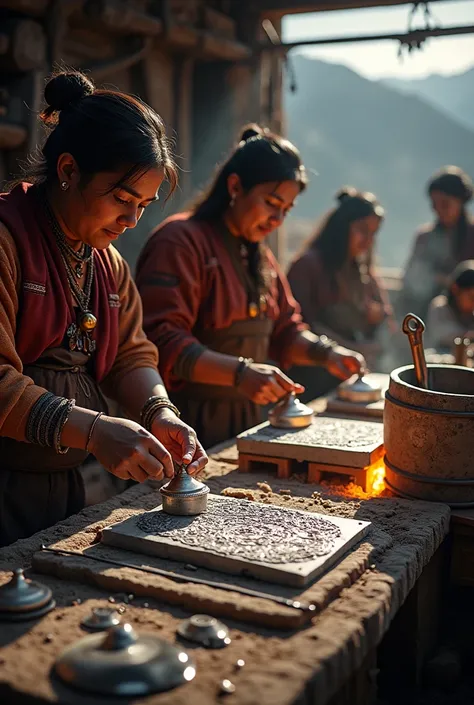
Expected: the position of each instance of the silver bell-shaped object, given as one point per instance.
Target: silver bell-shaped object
(359, 390)
(205, 630)
(290, 413)
(122, 662)
(22, 599)
(184, 495)
(101, 619)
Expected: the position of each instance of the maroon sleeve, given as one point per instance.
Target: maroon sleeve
(289, 322)
(380, 294)
(169, 279)
(304, 279)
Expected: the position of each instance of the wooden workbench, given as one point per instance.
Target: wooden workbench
(329, 661)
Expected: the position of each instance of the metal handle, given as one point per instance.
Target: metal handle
(414, 327)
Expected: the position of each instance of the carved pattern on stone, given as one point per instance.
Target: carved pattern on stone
(249, 531)
(324, 433)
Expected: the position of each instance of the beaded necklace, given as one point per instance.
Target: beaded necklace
(79, 333)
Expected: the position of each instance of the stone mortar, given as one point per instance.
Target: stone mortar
(429, 455)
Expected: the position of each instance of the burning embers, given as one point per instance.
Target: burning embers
(345, 485)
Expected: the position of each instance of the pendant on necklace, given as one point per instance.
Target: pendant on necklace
(79, 336)
(79, 269)
(87, 322)
(253, 310)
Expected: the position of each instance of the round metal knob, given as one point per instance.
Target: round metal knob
(290, 413)
(205, 630)
(100, 619)
(122, 662)
(360, 390)
(183, 495)
(22, 599)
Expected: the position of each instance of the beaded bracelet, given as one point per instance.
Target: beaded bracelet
(46, 421)
(244, 362)
(152, 406)
(63, 414)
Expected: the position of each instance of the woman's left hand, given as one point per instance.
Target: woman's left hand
(343, 363)
(180, 440)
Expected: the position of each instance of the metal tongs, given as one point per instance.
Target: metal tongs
(414, 327)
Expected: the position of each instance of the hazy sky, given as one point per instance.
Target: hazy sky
(379, 59)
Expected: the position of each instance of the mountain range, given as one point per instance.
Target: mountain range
(453, 95)
(383, 137)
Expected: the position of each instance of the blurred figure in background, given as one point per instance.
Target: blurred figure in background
(452, 315)
(439, 246)
(334, 283)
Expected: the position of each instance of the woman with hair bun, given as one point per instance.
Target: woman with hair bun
(70, 314)
(333, 280)
(216, 302)
(440, 246)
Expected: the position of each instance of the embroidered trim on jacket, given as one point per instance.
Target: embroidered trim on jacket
(35, 288)
(114, 301)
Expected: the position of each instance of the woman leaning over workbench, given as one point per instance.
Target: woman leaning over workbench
(70, 315)
(216, 302)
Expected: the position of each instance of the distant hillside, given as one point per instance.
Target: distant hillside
(354, 131)
(454, 95)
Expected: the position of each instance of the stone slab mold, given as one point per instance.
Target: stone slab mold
(428, 435)
(347, 532)
(330, 440)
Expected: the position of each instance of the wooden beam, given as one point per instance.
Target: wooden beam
(120, 17)
(205, 45)
(415, 37)
(279, 8)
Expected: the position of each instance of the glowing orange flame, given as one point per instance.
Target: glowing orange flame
(343, 486)
(376, 478)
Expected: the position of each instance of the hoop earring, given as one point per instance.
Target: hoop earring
(64, 185)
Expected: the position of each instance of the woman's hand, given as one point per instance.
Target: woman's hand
(128, 451)
(181, 441)
(266, 384)
(375, 313)
(343, 363)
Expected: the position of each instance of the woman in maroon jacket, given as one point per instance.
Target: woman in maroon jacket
(216, 302)
(334, 283)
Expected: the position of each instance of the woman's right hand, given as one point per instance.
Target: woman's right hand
(266, 384)
(128, 451)
(375, 313)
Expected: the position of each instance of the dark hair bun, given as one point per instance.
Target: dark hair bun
(251, 130)
(346, 192)
(64, 89)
